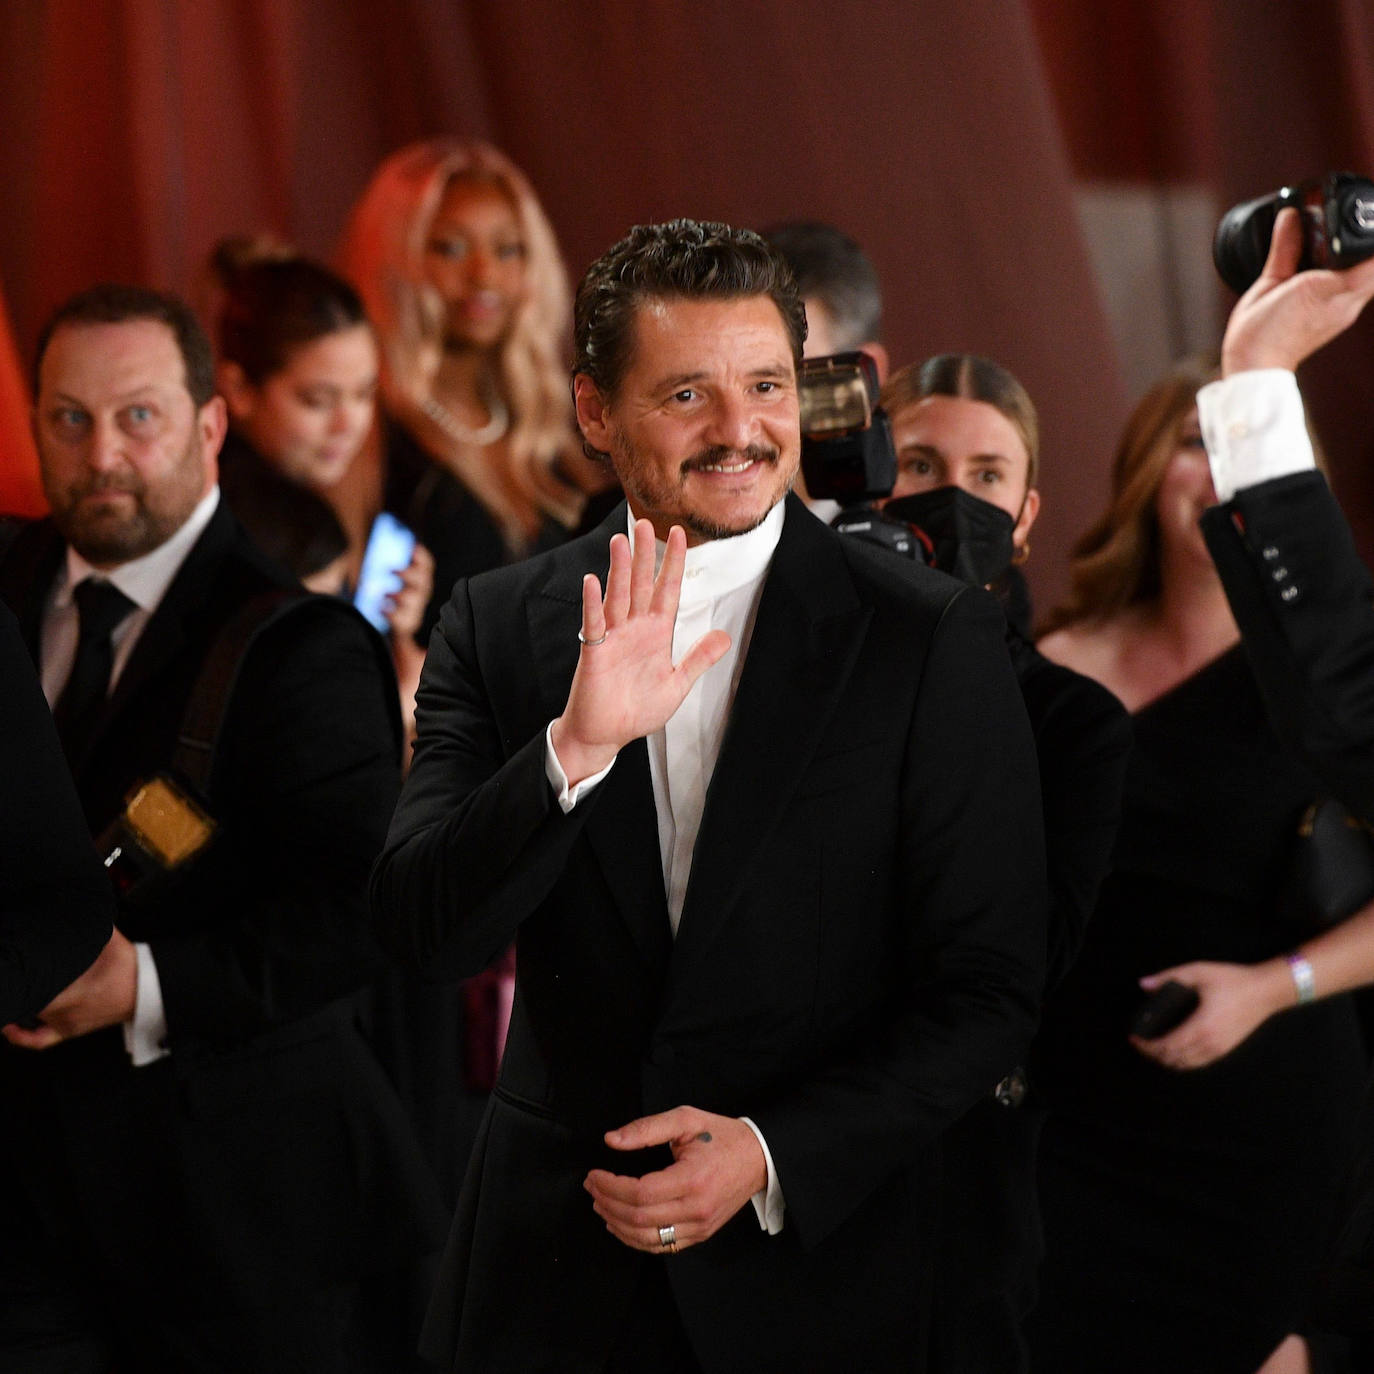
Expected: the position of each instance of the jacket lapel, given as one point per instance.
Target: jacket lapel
(622, 822)
(33, 564)
(807, 635)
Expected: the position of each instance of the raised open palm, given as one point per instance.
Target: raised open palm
(627, 684)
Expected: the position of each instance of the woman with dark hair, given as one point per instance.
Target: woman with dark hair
(297, 366)
(461, 274)
(967, 440)
(1188, 1181)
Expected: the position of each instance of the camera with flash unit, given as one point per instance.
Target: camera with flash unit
(847, 453)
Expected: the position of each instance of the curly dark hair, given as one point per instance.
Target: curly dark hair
(687, 259)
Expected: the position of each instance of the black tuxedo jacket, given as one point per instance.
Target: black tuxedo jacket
(1303, 601)
(56, 907)
(265, 1155)
(859, 956)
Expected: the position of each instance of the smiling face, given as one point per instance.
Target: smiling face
(126, 455)
(951, 441)
(309, 419)
(475, 256)
(703, 428)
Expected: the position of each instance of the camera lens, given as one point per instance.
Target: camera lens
(1358, 213)
(1242, 240)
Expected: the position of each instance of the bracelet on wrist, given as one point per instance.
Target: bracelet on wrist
(1304, 980)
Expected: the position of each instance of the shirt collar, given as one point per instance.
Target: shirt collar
(722, 565)
(145, 580)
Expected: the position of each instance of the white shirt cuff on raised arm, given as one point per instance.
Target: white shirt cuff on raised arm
(769, 1204)
(1254, 429)
(568, 797)
(145, 1037)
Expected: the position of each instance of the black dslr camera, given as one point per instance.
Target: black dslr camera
(1337, 214)
(847, 454)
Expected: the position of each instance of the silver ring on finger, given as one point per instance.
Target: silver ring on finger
(667, 1238)
(590, 643)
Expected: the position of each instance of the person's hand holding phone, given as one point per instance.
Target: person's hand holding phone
(405, 609)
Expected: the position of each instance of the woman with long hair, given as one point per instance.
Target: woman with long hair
(1188, 1179)
(462, 278)
(297, 364)
(968, 452)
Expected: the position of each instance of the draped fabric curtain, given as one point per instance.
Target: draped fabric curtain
(20, 493)
(954, 141)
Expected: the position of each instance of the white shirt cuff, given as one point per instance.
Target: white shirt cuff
(769, 1203)
(558, 779)
(145, 1037)
(1254, 428)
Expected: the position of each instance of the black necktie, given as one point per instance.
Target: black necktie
(100, 606)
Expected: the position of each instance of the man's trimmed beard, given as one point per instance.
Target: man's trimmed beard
(107, 540)
(696, 523)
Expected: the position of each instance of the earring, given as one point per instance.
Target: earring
(1022, 553)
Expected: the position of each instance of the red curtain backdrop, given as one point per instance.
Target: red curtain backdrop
(20, 492)
(951, 140)
(1242, 98)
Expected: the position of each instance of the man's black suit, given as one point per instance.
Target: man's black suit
(859, 955)
(56, 906)
(1305, 606)
(265, 1158)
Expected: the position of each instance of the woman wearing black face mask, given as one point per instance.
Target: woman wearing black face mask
(967, 448)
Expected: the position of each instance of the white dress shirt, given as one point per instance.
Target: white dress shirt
(1254, 429)
(721, 585)
(144, 581)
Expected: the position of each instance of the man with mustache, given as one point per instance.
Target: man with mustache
(765, 824)
(210, 1173)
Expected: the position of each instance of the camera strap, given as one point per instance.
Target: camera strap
(193, 759)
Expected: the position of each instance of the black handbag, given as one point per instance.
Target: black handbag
(1332, 875)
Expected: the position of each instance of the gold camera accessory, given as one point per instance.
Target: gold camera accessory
(160, 830)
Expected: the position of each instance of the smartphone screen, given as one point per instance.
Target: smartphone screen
(389, 547)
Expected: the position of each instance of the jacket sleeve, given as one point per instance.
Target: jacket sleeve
(478, 839)
(1083, 744)
(309, 772)
(1302, 599)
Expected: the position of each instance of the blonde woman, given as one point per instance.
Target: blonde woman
(462, 279)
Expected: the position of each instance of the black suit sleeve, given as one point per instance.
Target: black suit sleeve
(56, 905)
(1302, 599)
(478, 839)
(308, 775)
(1083, 745)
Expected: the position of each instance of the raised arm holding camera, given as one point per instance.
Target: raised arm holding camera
(1302, 597)
(1296, 584)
